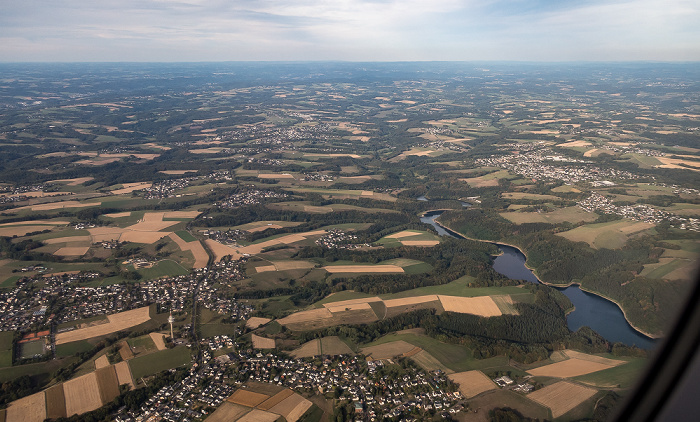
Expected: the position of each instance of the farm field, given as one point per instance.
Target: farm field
(262, 342)
(82, 394)
(499, 398)
(228, 412)
(473, 383)
(562, 396)
(55, 402)
(388, 350)
(142, 366)
(117, 322)
(187, 242)
(621, 376)
(428, 362)
(28, 409)
(6, 345)
(560, 215)
(332, 345)
(255, 322)
(611, 235)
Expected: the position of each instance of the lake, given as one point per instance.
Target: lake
(602, 315)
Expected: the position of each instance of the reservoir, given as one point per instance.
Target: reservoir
(602, 315)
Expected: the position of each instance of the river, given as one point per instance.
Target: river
(602, 315)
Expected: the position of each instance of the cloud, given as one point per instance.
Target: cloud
(193, 30)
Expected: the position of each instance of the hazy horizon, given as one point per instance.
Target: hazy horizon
(349, 30)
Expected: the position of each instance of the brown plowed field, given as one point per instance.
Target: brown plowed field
(352, 302)
(388, 350)
(420, 242)
(568, 368)
(220, 250)
(306, 316)
(276, 399)
(228, 412)
(125, 351)
(263, 228)
(108, 382)
(101, 362)
(256, 415)
(402, 234)
(583, 356)
(28, 409)
(201, 257)
(309, 349)
(69, 239)
(247, 398)
(292, 407)
(472, 383)
(72, 251)
(405, 301)
(262, 342)
(363, 269)
(124, 374)
(482, 306)
(255, 322)
(158, 340)
(349, 307)
(82, 394)
(562, 396)
(117, 322)
(55, 402)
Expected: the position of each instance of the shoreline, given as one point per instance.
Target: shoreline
(559, 286)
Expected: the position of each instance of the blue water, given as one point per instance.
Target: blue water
(602, 315)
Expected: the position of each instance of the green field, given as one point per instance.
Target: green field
(185, 235)
(6, 347)
(154, 363)
(623, 376)
(610, 235)
(570, 214)
(163, 268)
(217, 329)
(43, 369)
(143, 342)
(458, 287)
(73, 348)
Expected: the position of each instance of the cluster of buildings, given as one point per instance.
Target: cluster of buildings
(226, 237)
(210, 294)
(249, 197)
(318, 177)
(167, 188)
(338, 239)
(539, 165)
(192, 398)
(374, 392)
(70, 298)
(638, 212)
(266, 161)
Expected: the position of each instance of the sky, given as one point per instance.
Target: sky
(349, 30)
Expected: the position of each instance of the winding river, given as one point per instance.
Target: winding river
(602, 315)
